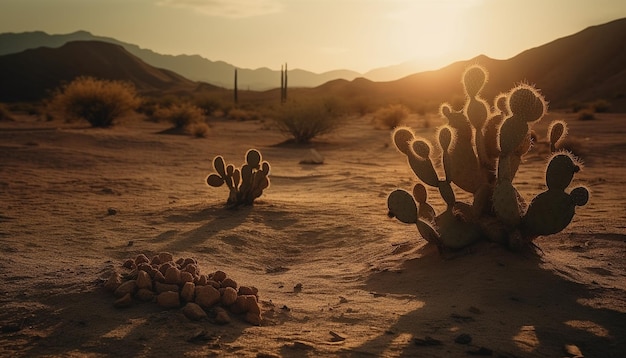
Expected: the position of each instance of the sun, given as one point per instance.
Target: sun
(433, 31)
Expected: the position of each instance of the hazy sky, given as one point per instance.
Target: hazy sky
(318, 35)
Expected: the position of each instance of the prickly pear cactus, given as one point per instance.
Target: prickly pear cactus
(244, 184)
(481, 147)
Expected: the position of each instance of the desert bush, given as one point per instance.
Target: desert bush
(586, 115)
(391, 116)
(181, 115)
(198, 129)
(100, 102)
(242, 114)
(304, 121)
(600, 106)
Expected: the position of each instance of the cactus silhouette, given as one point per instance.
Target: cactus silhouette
(245, 184)
(481, 151)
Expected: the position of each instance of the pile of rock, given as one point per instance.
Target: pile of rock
(173, 284)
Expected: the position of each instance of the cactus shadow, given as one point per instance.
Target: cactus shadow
(500, 299)
(86, 323)
(204, 225)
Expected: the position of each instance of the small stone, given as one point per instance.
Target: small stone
(129, 264)
(158, 276)
(168, 300)
(201, 280)
(166, 257)
(194, 312)
(188, 292)
(218, 276)
(463, 338)
(127, 287)
(141, 258)
(221, 316)
(144, 280)
(113, 282)
(297, 288)
(165, 266)
(229, 296)
(254, 318)
(186, 277)
(124, 301)
(248, 290)
(155, 260)
(111, 211)
(172, 276)
(164, 287)
(229, 282)
(191, 268)
(207, 296)
(144, 295)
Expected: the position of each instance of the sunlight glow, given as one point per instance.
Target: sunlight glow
(590, 327)
(526, 339)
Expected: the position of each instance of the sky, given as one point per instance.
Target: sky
(318, 35)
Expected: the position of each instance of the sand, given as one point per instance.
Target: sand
(336, 276)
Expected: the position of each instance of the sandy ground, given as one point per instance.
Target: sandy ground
(369, 285)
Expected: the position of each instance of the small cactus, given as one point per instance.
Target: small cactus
(481, 150)
(245, 184)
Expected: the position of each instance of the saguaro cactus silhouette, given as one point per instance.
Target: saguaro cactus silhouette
(481, 151)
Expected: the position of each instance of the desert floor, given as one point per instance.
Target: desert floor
(76, 201)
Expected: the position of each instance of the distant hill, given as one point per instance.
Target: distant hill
(31, 74)
(194, 67)
(585, 66)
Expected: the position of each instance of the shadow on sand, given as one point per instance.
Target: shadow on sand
(511, 306)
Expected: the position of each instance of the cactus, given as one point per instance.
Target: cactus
(482, 147)
(245, 184)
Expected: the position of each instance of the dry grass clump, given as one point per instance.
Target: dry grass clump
(174, 284)
(100, 102)
(391, 116)
(586, 115)
(184, 116)
(303, 121)
(242, 114)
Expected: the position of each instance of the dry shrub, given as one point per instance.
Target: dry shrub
(199, 129)
(391, 116)
(242, 114)
(181, 115)
(304, 121)
(100, 102)
(586, 115)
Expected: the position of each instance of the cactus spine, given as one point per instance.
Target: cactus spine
(481, 151)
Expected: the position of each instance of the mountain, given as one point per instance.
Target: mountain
(32, 74)
(194, 67)
(585, 66)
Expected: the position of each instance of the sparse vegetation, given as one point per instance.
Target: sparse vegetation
(586, 115)
(304, 121)
(181, 115)
(100, 102)
(391, 116)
